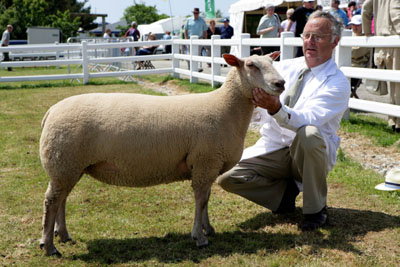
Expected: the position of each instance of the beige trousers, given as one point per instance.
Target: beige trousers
(389, 58)
(263, 179)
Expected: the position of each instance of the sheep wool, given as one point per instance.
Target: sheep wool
(140, 140)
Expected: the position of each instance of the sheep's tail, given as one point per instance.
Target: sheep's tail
(45, 117)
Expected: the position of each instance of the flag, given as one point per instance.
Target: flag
(210, 10)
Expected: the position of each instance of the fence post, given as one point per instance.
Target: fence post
(194, 66)
(175, 61)
(85, 62)
(57, 54)
(286, 51)
(343, 54)
(215, 52)
(343, 59)
(244, 50)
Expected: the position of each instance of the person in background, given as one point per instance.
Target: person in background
(5, 40)
(338, 13)
(360, 56)
(269, 27)
(387, 22)
(167, 36)
(133, 32)
(351, 8)
(147, 50)
(284, 23)
(226, 31)
(319, 7)
(196, 26)
(107, 34)
(299, 136)
(300, 16)
(212, 30)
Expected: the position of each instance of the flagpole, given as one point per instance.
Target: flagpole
(170, 12)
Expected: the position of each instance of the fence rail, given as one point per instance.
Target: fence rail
(94, 52)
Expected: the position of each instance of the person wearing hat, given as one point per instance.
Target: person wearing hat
(132, 32)
(338, 13)
(226, 31)
(196, 26)
(269, 27)
(392, 181)
(360, 56)
(386, 16)
(300, 16)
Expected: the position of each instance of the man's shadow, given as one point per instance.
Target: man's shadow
(346, 226)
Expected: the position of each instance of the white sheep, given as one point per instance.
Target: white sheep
(142, 140)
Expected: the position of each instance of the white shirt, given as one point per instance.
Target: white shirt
(322, 102)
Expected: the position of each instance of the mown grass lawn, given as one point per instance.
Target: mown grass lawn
(151, 226)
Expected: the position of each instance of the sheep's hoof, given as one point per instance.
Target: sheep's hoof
(209, 231)
(202, 244)
(51, 252)
(63, 238)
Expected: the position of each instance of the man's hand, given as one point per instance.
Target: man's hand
(266, 101)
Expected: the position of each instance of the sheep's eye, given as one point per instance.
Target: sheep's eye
(250, 64)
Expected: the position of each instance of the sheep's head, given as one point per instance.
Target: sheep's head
(257, 71)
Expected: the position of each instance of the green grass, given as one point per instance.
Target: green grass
(151, 226)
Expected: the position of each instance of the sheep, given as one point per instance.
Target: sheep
(141, 140)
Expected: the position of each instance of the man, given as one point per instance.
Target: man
(132, 32)
(167, 36)
(299, 140)
(196, 26)
(338, 13)
(386, 22)
(269, 27)
(359, 55)
(300, 16)
(226, 32)
(5, 40)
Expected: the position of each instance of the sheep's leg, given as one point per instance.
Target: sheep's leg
(54, 202)
(201, 195)
(208, 229)
(61, 226)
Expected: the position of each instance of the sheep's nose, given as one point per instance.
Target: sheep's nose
(280, 84)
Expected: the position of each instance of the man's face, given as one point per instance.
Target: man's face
(334, 4)
(270, 11)
(226, 24)
(317, 45)
(196, 15)
(308, 5)
(357, 29)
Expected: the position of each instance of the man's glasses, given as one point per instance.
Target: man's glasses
(316, 36)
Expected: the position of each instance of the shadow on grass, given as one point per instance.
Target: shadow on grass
(347, 226)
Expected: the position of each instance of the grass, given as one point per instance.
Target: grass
(151, 226)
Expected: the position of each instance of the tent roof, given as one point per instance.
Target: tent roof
(248, 5)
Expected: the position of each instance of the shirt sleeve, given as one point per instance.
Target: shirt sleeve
(326, 104)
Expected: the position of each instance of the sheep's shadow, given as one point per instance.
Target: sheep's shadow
(347, 225)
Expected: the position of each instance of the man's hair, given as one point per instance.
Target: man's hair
(337, 26)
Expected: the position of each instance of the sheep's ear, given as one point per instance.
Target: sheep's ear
(274, 55)
(232, 60)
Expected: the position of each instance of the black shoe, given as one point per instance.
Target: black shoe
(200, 70)
(288, 202)
(314, 221)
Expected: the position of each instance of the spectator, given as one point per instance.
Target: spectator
(360, 56)
(196, 26)
(284, 23)
(319, 7)
(299, 139)
(167, 36)
(226, 33)
(147, 50)
(212, 30)
(300, 16)
(268, 27)
(5, 40)
(107, 34)
(133, 32)
(339, 14)
(351, 8)
(387, 22)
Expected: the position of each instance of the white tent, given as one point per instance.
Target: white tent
(173, 24)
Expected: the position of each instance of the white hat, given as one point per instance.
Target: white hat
(392, 181)
(356, 20)
(308, 0)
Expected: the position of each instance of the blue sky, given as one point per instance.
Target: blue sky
(115, 8)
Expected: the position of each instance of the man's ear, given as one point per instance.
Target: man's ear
(232, 60)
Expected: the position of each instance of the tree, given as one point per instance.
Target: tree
(218, 14)
(23, 14)
(142, 14)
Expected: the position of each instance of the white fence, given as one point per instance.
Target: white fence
(87, 53)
